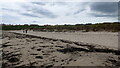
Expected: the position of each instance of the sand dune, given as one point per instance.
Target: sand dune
(28, 50)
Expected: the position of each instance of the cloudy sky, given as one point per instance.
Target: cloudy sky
(58, 12)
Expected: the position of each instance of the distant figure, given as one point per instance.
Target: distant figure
(26, 30)
(23, 31)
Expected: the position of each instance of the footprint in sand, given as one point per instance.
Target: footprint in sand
(33, 48)
(42, 51)
(39, 57)
(4, 45)
(36, 43)
(46, 54)
(13, 59)
(53, 60)
(62, 60)
(33, 54)
(39, 49)
(41, 42)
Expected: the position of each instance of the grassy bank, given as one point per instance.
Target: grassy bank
(111, 27)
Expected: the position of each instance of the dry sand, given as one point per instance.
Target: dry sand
(109, 39)
(29, 50)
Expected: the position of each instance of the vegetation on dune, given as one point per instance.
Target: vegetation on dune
(112, 27)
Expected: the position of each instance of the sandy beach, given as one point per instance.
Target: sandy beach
(29, 50)
(109, 39)
(60, 34)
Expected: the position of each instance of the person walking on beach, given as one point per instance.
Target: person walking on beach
(23, 30)
(26, 30)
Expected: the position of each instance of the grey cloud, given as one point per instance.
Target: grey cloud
(34, 21)
(30, 15)
(44, 12)
(25, 14)
(38, 3)
(82, 7)
(8, 18)
(10, 10)
(39, 10)
(101, 15)
(77, 12)
(59, 3)
(104, 7)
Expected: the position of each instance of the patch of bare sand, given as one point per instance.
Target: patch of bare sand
(24, 50)
(109, 39)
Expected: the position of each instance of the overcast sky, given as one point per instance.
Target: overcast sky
(58, 12)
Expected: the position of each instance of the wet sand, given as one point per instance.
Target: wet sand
(29, 50)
